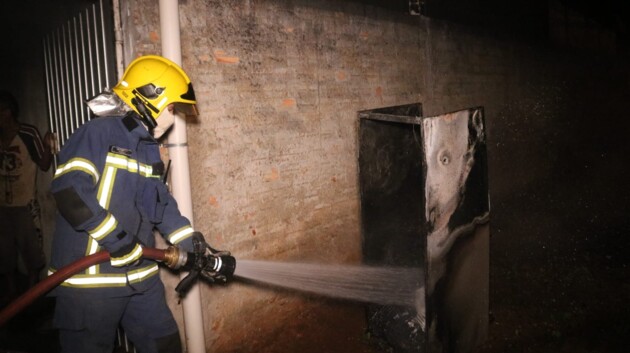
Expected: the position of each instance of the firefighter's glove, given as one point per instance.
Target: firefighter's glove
(127, 255)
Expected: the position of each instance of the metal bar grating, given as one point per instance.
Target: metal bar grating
(79, 63)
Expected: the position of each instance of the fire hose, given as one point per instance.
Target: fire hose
(211, 264)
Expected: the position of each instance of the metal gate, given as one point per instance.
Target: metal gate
(79, 60)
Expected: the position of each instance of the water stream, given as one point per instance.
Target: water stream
(378, 285)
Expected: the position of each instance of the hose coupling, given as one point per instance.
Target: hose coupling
(175, 258)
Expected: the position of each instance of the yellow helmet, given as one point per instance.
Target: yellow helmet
(150, 83)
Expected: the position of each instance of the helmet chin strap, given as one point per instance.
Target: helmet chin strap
(145, 115)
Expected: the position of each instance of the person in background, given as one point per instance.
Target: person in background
(22, 153)
(110, 195)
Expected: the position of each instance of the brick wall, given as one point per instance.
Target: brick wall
(273, 153)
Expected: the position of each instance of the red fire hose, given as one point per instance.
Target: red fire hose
(61, 275)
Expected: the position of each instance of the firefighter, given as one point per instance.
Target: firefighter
(110, 195)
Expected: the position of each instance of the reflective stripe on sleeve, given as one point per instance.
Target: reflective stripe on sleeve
(180, 234)
(77, 164)
(134, 255)
(103, 229)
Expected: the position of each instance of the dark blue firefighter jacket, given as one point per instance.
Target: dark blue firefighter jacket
(109, 192)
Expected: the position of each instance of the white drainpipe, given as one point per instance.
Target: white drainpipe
(180, 172)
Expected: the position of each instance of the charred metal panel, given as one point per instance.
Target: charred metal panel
(424, 202)
(457, 211)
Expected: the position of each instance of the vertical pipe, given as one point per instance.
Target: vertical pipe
(180, 172)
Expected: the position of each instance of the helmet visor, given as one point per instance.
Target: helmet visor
(186, 109)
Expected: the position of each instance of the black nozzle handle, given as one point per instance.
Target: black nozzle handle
(185, 284)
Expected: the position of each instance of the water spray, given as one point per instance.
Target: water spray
(381, 285)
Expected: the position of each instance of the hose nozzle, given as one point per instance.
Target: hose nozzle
(213, 265)
(221, 265)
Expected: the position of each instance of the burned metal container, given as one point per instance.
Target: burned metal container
(424, 203)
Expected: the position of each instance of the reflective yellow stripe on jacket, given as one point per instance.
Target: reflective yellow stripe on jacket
(78, 164)
(180, 234)
(109, 279)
